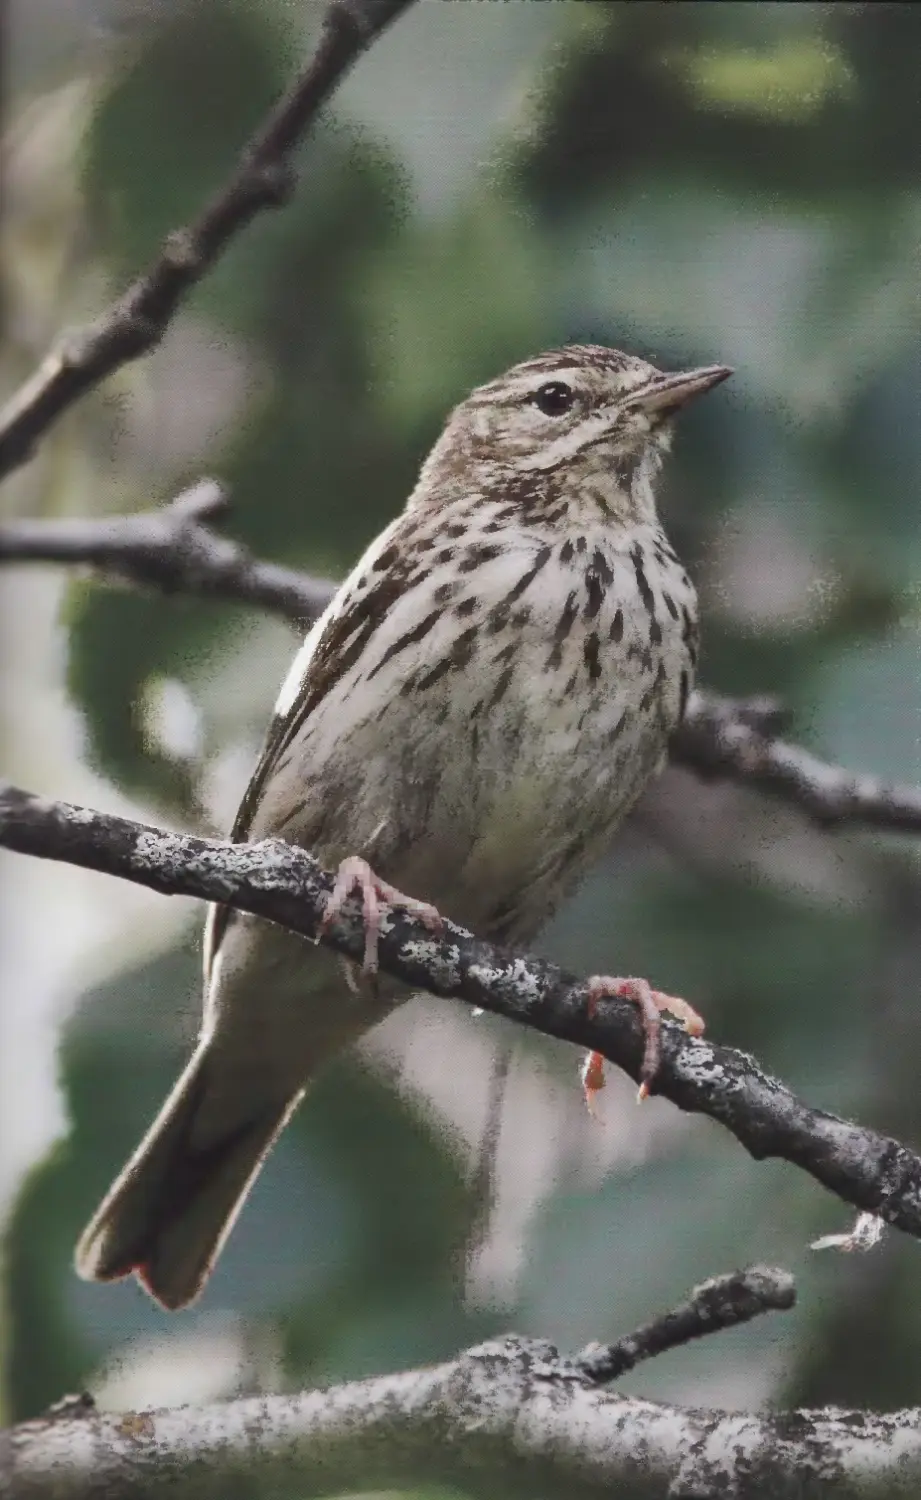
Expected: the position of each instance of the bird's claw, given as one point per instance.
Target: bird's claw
(354, 874)
(652, 1004)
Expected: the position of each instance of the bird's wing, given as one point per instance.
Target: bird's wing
(329, 651)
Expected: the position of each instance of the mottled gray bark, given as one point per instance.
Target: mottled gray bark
(509, 1418)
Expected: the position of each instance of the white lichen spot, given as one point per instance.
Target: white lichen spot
(75, 815)
(270, 865)
(525, 982)
(519, 984)
(441, 960)
(697, 1064)
(157, 851)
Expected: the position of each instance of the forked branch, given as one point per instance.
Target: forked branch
(510, 1417)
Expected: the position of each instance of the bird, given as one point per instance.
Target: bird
(460, 734)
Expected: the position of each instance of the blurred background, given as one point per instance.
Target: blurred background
(696, 183)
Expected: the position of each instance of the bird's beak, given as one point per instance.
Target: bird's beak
(667, 393)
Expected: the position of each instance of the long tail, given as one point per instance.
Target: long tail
(167, 1215)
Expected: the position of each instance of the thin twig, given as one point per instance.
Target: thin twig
(263, 178)
(286, 885)
(722, 1302)
(175, 549)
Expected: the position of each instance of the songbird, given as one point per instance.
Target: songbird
(467, 723)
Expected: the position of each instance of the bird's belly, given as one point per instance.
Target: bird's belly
(527, 797)
(489, 767)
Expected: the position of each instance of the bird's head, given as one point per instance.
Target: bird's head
(583, 418)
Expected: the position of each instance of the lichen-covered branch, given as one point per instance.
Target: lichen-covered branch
(286, 885)
(510, 1418)
(263, 178)
(175, 549)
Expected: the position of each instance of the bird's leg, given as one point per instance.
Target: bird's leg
(355, 874)
(652, 1003)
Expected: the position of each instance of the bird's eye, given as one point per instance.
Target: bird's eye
(554, 398)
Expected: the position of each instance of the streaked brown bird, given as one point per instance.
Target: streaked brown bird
(467, 723)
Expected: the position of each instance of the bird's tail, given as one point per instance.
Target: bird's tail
(167, 1215)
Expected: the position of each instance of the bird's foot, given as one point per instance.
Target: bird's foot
(652, 1004)
(355, 874)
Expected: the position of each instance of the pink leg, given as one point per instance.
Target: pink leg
(355, 874)
(651, 1003)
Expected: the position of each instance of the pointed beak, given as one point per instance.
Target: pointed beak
(668, 393)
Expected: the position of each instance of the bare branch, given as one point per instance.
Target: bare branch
(722, 1302)
(510, 1417)
(175, 549)
(263, 178)
(286, 885)
(715, 740)
(172, 549)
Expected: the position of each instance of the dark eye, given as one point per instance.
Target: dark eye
(554, 398)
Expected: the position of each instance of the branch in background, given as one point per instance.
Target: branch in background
(715, 740)
(136, 322)
(286, 885)
(722, 1302)
(510, 1417)
(175, 549)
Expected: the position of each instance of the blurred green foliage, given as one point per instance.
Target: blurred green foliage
(738, 182)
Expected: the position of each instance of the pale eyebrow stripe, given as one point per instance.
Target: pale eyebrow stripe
(524, 385)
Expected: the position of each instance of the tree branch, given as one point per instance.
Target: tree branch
(175, 549)
(286, 885)
(172, 549)
(722, 1302)
(716, 740)
(263, 178)
(509, 1417)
